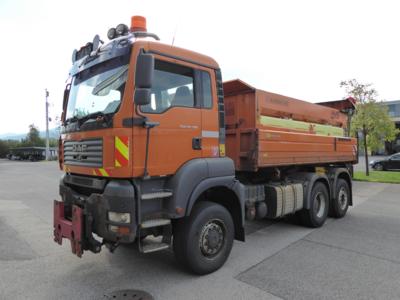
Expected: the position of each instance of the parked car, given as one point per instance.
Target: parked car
(391, 163)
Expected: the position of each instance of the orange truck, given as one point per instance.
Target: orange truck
(156, 150)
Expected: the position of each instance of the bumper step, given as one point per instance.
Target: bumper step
(152, 244)
(156, 195)
(155, 223)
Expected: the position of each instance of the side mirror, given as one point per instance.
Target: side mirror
(143, 78)
(65, 101)
(66, 95)
(142, 96)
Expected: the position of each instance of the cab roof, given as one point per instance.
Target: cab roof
(178, 53)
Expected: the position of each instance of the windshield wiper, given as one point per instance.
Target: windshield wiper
(72, 119)
(92, 115)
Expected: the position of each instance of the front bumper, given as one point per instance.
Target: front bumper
(84, 212)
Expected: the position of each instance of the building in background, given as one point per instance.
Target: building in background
(32, 153)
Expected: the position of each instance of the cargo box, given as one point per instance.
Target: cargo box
(265, 130)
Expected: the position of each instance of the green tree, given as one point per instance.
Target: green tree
(371, 119)
(4, 148)
(53, 142)
(32, 138)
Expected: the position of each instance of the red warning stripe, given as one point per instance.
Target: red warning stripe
(121, 159)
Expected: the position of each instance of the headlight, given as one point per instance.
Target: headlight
(119, 217)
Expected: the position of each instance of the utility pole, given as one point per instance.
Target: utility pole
(47, 126)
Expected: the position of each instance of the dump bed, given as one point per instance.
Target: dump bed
(265, 130)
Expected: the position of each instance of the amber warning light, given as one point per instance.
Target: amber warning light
(138, 23)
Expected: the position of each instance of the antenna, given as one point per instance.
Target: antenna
(173, 38)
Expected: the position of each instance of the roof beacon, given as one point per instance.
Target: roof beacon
(138, 23)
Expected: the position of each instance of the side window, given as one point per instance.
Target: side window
(172, 86)
(206, 89)
(396, 157)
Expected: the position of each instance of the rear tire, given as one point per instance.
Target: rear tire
(319, 207)
(203, 241)
(340, 205)
(379, 167)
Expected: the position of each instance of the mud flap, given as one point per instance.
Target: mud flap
(72, 230)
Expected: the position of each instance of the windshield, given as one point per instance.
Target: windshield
(97, 90)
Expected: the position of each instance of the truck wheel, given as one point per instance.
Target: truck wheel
(203, 241)
(319, 207)
(340, 205)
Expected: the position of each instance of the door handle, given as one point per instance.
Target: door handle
(196, 143)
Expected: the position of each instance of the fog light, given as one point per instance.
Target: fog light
(119, 217)
(119, 229)
(113, 228)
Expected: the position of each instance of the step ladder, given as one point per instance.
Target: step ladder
(156, 195)
(151, 243)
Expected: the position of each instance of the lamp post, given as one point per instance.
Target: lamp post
(47, 126)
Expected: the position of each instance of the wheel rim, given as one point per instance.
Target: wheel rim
(378, 167)
(320, 204)
(212, 237)
(342, 198)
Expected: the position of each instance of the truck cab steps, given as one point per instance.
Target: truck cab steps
(152, 244)
(157, 235)
(155, 223)
(156, 195)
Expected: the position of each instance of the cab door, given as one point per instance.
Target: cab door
(177, 137)
(206, 93)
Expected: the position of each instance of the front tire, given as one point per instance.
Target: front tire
(378, 167)
(319, 207)
(203, 241)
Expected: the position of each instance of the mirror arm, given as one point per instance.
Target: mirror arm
(148, 125)
(144, 118)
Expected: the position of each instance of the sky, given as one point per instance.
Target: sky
(301, 49)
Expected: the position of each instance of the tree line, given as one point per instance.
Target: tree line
(32, 139)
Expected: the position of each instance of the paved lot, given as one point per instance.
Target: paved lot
(357, 257)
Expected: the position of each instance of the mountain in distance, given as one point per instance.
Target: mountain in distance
(54, 133)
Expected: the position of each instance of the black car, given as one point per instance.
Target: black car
(391, 163)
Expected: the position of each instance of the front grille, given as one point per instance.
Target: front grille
(85, 153)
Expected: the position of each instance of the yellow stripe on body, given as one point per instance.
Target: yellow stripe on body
(122, 148)
(319, 129)
(103, 172)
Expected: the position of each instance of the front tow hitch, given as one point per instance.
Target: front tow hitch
(80, 236)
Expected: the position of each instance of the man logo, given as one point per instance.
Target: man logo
(79, 147)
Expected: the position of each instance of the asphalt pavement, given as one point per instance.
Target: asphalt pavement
(357, 257)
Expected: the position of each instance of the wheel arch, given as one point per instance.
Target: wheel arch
(227, 192)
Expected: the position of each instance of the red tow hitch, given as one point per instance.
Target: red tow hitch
(72, 230)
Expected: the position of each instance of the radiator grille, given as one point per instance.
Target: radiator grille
(86, 153)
